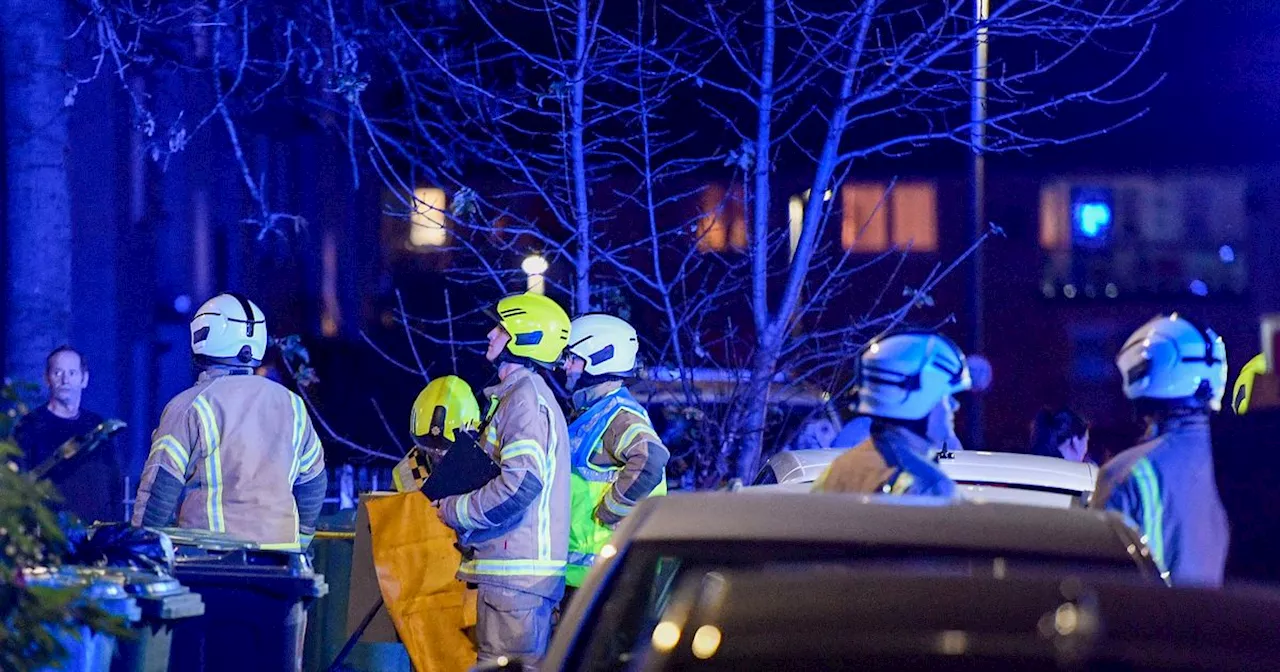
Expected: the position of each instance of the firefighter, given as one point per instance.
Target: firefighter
(905, 385)
(445, 407)
(617, 456)
(1243, 389)
(516, 527)
(242, 447)
(1175, 372)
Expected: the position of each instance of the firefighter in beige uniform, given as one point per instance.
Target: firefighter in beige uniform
(516, 527)
(242, 447)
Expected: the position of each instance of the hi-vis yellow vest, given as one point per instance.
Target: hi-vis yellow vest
(589, 482)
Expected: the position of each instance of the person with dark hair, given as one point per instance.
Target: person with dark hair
(92, 484)
(1060, 432)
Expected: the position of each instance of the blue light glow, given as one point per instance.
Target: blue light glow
(1227, 254)
(1093, 218)
(1199, 288)
(182, 304)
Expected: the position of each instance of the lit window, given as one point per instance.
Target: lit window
(795, 216)
(864, 224)
(722, 225)
(915, 217)
(331, 312)
(427, 220)
(906, 218)
(795, 219)
(1054, 227)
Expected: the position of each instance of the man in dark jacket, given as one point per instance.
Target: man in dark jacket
(91, 484)
(1176, 373)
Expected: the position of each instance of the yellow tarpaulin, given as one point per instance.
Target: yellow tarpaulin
(416, 561)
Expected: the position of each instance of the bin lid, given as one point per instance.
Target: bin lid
(204, 539)
(288, 572)
(138, 583)
(110, 596)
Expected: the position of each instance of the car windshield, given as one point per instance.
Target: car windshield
(621, 624)
(767, 476)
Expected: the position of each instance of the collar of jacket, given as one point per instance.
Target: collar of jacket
(901, 438)
(1193, 422)
(586, 397)
(503, 386)
(222, 371)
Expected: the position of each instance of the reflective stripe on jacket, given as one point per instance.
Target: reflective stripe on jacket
(239, 443)
(517, 525)
(894, 460)
(613, 443)
(1166, 488)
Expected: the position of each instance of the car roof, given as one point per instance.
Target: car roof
(1019, 469)
(973, 466)
(774, 613)
(899, 521)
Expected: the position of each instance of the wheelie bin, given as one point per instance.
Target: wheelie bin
(255, 604)
(85, 650)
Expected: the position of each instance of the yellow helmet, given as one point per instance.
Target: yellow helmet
(1244, 384)
(538, 326)
(444, 406)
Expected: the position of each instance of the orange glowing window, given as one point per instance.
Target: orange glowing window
(873, 218)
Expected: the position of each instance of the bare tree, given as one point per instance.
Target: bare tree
(561, 128)
(828, 87)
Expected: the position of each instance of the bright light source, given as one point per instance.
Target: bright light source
(1199, 288)
(534, 264)
(706, 641)
(1112, 291)
(666, 636)
(608, 551)
(1069, 291)
(1093, 218)
(427, 217)
(795, 220)
(953, 642)
(182, 304)
(1227, 254)
(535, 267)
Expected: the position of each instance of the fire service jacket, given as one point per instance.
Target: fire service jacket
(247, 458)
(516, 527)
(894, 460)
(1166, 488)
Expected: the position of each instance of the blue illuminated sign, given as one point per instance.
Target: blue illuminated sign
(1092, 218)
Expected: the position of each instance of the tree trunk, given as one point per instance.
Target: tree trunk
(755, 409)
(39, 210)
(581, 211)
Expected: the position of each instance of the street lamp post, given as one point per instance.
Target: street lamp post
(535, 269)
(977, 206)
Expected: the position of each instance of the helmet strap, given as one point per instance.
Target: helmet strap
(233, 364)
(544, 370)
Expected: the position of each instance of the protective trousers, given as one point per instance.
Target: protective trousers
(512, 623)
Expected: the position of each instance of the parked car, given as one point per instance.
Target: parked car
(831, 618)
(1011, 478)
(614, 614)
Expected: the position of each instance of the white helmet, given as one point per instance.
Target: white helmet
(606, 343)
(231, 329)
(905, 375)
(1169, 358)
